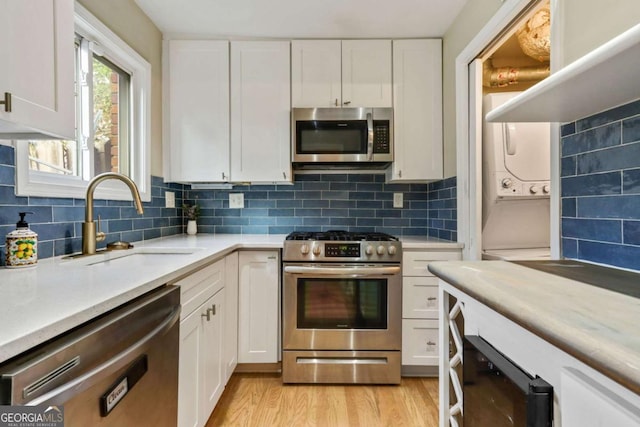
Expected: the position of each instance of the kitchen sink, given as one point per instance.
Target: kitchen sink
(143, 252)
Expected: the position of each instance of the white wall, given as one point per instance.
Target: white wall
(127, 20)
(467, 24)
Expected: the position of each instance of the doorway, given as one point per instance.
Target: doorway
(495, 62)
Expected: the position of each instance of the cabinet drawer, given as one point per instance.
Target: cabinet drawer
(420, 297)
(420, 342)
(200, 286)
(415, 263)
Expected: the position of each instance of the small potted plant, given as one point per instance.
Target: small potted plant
(192, 213)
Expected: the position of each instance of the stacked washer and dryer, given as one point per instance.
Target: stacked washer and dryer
(516, 187)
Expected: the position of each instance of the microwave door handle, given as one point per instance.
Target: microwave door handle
(369, 136)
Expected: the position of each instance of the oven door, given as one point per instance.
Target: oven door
(342, 307)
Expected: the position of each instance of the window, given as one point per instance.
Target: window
(112, 89)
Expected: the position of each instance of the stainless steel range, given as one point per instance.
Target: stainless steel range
(342, 308)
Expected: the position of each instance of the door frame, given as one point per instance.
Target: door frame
(469, 144)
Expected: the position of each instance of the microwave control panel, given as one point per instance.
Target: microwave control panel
(381, 136)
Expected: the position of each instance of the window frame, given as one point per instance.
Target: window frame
(34, 183)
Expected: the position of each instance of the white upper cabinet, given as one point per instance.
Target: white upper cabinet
(196, 113)
(260, 111)
(316, 73)
(417, 106)
(37, 71)
(366, 73)
(334, 73)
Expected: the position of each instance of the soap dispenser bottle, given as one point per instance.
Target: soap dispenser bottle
(21, 245)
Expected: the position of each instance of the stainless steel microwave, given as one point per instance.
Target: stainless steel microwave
(342, 135)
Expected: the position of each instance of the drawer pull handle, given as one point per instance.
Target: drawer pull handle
(207, 314)
(213, 309)
(431, 299)
(430, 343)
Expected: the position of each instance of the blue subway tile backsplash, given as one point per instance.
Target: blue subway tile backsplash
(353, 202)
(600, 173)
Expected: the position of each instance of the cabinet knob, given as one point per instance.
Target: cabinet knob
(7, 102)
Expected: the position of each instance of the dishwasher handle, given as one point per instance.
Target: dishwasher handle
(78, 384)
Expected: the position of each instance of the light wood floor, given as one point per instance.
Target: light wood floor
(261, 400)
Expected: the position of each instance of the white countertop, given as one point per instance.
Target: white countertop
(597, 326)
(41, 302)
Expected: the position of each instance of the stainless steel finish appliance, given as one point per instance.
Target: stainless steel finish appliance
(342, 308)
(118, 370)
(342, 135)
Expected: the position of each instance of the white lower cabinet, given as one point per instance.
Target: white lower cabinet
(202, 366)
(420, 306)
(230, 357)
(259, 306)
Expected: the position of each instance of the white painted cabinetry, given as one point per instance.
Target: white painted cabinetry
(36, 48)
(316, 79)
(420, 306)
(260, 111)
(227, 115)
(202, 326)
(259, 308)
(196, 111)
(334, 73)
(230, 348)
(417, 107)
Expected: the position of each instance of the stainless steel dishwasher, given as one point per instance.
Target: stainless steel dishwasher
(120, 369)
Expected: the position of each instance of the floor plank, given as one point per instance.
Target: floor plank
(257, 400)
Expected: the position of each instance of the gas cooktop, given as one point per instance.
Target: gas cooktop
(341, 235)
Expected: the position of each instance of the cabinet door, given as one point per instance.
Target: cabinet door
(189, 382)
(417, 103)
(259, 308)
(36, 48)
(316, 73)
(230, 327)
(211, 354)
(366, 73)
(197, 110)
(260, 111)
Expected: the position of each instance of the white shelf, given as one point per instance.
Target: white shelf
(604, 78)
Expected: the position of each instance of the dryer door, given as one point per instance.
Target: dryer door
(527, 150)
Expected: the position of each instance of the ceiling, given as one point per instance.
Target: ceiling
(303, 18)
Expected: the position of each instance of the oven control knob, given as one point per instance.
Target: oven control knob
(546, 188)
(534, 189)
(316, 250)
(369, 250)
(392, 250)
(304, 249)
(380, 250)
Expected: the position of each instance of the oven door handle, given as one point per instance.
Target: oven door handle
(349, 271)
